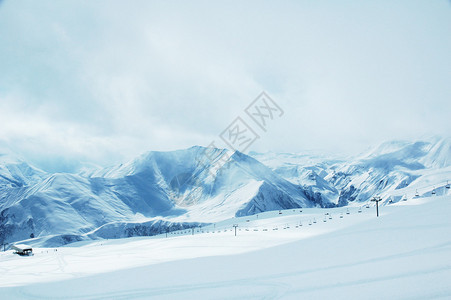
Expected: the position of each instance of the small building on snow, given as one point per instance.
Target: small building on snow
(22, 249)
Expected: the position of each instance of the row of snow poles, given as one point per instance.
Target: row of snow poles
(236, 228)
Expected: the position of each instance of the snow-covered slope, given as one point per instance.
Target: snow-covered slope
(184, 187)
(403, 254)
(15, 172)
(381, 171)
(176, 187)
(390, 167)
(200, 187)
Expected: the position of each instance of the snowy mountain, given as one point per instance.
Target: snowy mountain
(160, 191)
(387, 170)
(15, 172)
(175, 187)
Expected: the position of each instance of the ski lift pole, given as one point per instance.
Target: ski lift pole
(377, 199)
(235, 226)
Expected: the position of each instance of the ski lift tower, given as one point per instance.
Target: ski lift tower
(235, 226)
(377, 199)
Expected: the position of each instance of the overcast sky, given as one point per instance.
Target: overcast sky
(103, 81)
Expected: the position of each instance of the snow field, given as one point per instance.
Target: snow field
(403, 254)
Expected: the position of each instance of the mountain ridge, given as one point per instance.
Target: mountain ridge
(203, 185)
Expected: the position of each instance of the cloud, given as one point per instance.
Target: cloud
(103, 81)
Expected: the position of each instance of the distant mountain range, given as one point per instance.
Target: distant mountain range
(381, 171)
(161, 191)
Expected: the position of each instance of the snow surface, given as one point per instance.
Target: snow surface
(176, 186)
(403, 254)
(161, 191)
(380, 171)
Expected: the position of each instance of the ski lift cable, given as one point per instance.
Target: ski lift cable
(427, 188)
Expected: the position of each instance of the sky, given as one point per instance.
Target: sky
(99, 82)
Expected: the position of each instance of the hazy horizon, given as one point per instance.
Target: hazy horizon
(102, 82)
